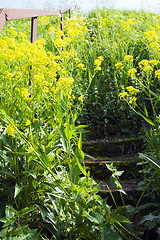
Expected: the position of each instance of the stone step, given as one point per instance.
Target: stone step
(98, 169)
(131, 188)
(127, 186)
(113, 148)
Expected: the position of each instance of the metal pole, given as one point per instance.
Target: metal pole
(69, 13)
(61, 25)
(34, 29)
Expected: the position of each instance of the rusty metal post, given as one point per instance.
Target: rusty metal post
(33, 39)
(34, 29)
(69, 13)
(61, 25)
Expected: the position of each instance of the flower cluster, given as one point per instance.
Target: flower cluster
(97, 63)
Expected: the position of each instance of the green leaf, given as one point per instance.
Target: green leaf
(80, 141)
(89, 217)
(99, 217)
(27, 210)
(117, 218)
(89, 77)
(108, 234)
(7, 159)
(79, 156)
(17, 190)
(145, 110)
(147, 119)
(154, 162)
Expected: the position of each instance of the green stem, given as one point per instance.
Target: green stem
(144, 191)
(112, 196)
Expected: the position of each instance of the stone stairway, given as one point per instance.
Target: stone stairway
(123, 154)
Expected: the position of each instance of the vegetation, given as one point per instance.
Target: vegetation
(105, 72)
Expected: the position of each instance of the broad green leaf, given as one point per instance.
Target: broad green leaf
(108, 234)
(17, 190)
(75, 174)
(89, 217)
(79, 155)
(99, 217)
(150, 217)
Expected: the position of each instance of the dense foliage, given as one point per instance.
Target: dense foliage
(105, 71)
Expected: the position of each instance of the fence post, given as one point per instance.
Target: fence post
(34, 29)
(69, 13)
(61, 25)
(33, 39)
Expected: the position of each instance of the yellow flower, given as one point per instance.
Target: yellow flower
(157, 74)
(12, 31)
(77, 60)
(24, 93)
(132, 90)
(30, 149)
(132, 72)
(123, 95)
(98, 68)
(80, 98)
(153, 62)
(97, 63)
(133, 100)
(128, 58)
(119, 65)
(10, 130)
(81, 66)
(143, 63)
(147, 69)
(28, 123)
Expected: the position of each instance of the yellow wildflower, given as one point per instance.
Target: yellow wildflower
(81, 66)
(77, 60)
(157, 74)
(147, 69)
(12, 31)
(28, 123)
(133, 100)
(30, 149)
(132, 72)
(97, 63)
(143, 63)
(80, 98)
(123, 95)
(119, 65)
(128, 58)
(24, 93)
(132, 90)
(153, 62)
(10, 130)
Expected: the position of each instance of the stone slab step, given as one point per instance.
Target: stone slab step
(131, 188)
(99, 171)
(113, 148)
(126, 186)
